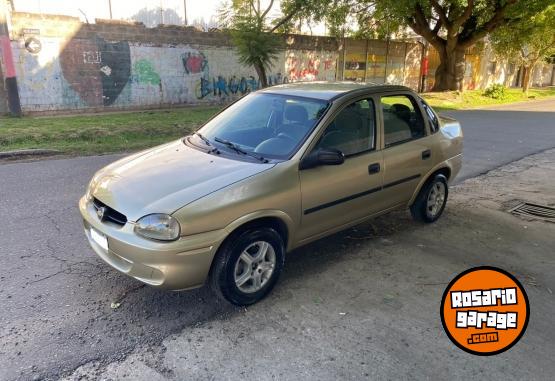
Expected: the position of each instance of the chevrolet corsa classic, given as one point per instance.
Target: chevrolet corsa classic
(277, 169)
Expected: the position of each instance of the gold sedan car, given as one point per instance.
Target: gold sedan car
(277, 169)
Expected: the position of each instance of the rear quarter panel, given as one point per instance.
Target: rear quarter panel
(447, 149)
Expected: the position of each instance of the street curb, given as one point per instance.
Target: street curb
(27, 152)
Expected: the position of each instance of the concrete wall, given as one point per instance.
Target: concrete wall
(483, 68)
(63, 64)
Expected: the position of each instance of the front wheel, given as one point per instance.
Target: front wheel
(431, 200)
(248, 266)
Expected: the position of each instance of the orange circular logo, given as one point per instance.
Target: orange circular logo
(485, 310)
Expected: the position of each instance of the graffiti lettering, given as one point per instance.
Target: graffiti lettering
(277, 79)
(92, 57)
(221, 87)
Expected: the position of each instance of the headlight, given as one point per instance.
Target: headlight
(158, 226)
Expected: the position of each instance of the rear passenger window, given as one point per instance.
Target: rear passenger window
(353, 129)
(434, 122)
(402, 120)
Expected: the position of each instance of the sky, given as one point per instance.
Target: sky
(146, 11)
(196, 9)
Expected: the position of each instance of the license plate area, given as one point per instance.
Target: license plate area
(99, 238)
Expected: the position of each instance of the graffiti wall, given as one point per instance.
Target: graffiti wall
(98, 71)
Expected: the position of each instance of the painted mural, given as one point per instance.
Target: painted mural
(305, 65)
(96, 70)
(97, 73)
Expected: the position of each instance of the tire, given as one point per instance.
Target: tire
(420, 210)
(230, 277)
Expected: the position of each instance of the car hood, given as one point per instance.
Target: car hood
(166, 178)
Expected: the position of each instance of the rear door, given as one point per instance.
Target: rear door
(407, 153)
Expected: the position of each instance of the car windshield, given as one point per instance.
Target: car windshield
(269, 125)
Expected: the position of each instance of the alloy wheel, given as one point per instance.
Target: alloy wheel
(255, 266)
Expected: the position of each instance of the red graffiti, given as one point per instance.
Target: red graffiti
(297, 71)
(194, 62)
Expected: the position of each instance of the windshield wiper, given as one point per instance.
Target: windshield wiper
(207, 142)
(202, 138)
(238, 149)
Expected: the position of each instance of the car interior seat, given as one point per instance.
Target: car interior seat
(397, 123)
(347, 132)
(298, 124)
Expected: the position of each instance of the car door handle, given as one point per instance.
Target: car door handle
(374, 168)
(426, 154)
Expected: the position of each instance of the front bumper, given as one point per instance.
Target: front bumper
(177, 265)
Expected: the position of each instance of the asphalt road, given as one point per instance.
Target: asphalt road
(499, 135)
(56, 296)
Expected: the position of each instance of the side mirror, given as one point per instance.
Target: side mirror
(322, 156)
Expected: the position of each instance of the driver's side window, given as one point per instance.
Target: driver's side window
(353, 130)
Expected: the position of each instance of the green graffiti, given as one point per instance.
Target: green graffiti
(145, 73)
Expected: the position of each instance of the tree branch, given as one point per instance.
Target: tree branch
(498, 19)
(437, 27)
(267, 9)
(253, 7)
(440, 12)
(421, 26)
(465, 16)
(286, 18)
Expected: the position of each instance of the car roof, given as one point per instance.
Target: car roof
(327, 90)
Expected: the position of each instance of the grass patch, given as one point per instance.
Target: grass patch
(452, 100)
(132, 131)
(104, 133)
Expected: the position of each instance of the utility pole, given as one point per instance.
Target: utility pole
(110, 8)
(185, 12)
(10, 78)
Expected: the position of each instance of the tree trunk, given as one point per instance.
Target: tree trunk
(526, 79)
(528, 71)
(261, 75)
(450, 72)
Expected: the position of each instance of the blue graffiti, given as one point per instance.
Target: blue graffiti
(220, 86)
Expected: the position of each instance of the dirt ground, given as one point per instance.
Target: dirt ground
(364, 303)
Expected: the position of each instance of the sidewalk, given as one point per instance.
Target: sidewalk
(364, 303)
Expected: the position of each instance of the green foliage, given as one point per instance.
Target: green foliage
(251, 35)
(255, 46)
(529, 40)
(450, 26)
(496, 91)
(452, 100)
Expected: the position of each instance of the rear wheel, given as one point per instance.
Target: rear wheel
(248, 266)
(431, 200)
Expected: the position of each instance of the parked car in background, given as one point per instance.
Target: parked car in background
(277, 169)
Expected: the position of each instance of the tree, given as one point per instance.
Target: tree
(450, 26)
(252, 32)
(528, 42)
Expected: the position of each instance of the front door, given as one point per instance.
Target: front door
(333, 196)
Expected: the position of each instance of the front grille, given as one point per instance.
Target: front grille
(105, 213)
(530, 210)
